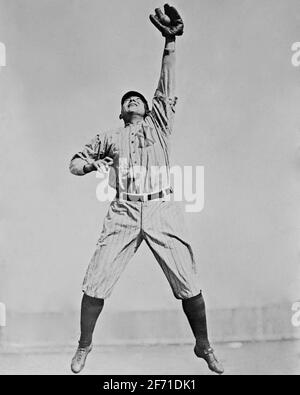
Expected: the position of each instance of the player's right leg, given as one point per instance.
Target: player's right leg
(119, 240)
(90, 311)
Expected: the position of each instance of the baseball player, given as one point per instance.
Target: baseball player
(137, 156)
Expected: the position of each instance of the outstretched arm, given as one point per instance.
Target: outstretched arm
(170, 24)
(166, 84)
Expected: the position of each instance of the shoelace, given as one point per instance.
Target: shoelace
(208, 351)
(80, 353)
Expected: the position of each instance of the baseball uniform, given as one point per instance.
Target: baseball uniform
(141, 166)
(143, 208)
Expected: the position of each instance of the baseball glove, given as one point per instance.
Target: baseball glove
(169, 24)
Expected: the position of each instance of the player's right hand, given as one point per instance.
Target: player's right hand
(102, 165)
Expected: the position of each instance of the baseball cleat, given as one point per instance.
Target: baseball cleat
(79, 358)
(208, 355)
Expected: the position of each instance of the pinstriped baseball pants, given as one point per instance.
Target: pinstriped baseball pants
(161, 224)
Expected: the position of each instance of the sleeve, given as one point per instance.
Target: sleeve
(164, 100)
(91, 152)
(163, 111)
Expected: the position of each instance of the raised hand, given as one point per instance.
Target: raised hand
(170, 23)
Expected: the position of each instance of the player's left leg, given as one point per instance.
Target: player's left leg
(165, 233)
(195, 311)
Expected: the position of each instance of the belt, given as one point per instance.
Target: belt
(132, 197)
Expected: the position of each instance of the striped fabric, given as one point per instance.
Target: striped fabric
(141, 165)
(140, 152)
(161, 224)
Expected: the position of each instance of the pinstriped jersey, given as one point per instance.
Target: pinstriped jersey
(140, 152)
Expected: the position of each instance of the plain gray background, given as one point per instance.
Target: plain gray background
(68, 63)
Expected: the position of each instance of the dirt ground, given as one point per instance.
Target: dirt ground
(267, 358)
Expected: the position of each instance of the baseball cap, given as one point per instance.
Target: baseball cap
(135, 93)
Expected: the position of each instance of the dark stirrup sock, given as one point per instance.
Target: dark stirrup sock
(194, 309)
(90, 311)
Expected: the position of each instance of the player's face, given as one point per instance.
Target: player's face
(134, 105)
